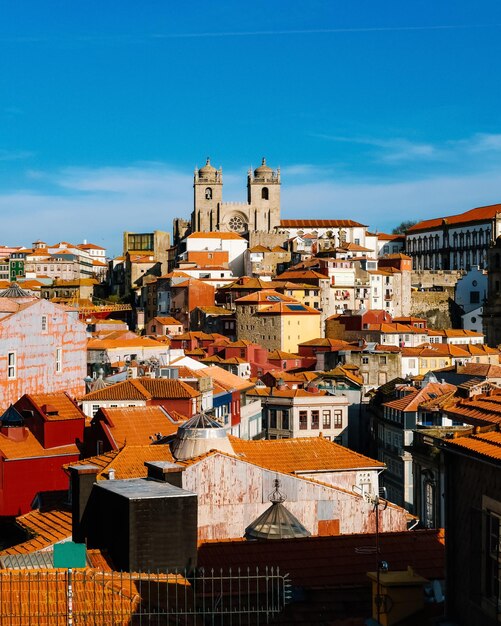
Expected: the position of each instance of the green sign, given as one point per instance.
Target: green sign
(70, 555)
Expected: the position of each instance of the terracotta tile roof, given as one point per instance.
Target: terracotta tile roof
(387, 237)
(288, 308)
(129, 461)
(479, 214)
(215, 310)
(137, 425)
(30, 447)
(126, 390)
(333, 561)
(341, 371)
(285, 393)
(481, 369)
(486, 445)
(212, 235)
(413, 400)
(302, 274)
(47, 528)
(280, 354)
(139, 342)
(161, 388)
(436, 350)
(319, 224)
(167, 321)
(223, 377)
(302, 454)
(263, 297)
(56, 406)
(40, 596)
(143, 389)
(481, 410)
(321, 342)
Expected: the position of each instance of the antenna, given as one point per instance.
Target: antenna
(377, 501)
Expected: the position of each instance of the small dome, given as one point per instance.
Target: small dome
(14, 291)
(277, 522)
(207, 168)
(263, 169)
(200, 435)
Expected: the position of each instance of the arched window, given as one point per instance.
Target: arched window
(265, 193)
(208, 193)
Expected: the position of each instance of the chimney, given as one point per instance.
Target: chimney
(166, 472)
(82, 479)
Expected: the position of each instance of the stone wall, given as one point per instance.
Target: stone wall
(436, 278)
(437, 307)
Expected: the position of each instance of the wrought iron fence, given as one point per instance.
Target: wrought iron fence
(102, 598)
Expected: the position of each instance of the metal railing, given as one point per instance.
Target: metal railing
(102, 598)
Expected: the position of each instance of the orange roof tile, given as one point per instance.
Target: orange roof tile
(56, 406)
(412, 401)
(486, 445)
(318, 224)
(107, 344)
(48, 527)
(479, 214)
(302, 454)
(40, 596)
(137, 425)
(212, 235)
(167, 321)
(143, 389)
(225, 378)
(129, 461)
(30, 447)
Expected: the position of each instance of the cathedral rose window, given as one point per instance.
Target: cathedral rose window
(236, 223)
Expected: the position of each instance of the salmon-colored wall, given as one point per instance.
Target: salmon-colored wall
(36, 352)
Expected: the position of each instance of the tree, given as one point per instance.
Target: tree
(401, 228)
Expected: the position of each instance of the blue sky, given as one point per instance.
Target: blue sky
(375, 111)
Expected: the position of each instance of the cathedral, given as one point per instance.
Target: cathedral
(260, 214)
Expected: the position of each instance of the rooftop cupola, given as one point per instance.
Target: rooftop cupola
(200, 435)
(277, 522)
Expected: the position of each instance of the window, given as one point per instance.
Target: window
(492, 557)
(315, 419)
(326, 419)
(265, 193)
(382, 360)
(44, 322)
(273, 418)
(59, 360)
(365, 360)
(338, 418)
(11, 365)
(208, 193)
(474, 297)
(285, 420)
(303, 420)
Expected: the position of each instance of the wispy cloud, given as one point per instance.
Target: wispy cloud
(15, 155)
(99, 203)
(399, 149)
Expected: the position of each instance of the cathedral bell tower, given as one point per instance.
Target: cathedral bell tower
(208, 195)
(263, 196)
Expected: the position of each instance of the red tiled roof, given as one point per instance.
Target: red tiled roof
(56, 406)
(333, 561)
(487, 445)
(48, 527)
(319, 224)
(129, 462)
(480, 214)
(413, 400)
(137, 425)
(302, 454)
(482, 410)
(143, 389)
